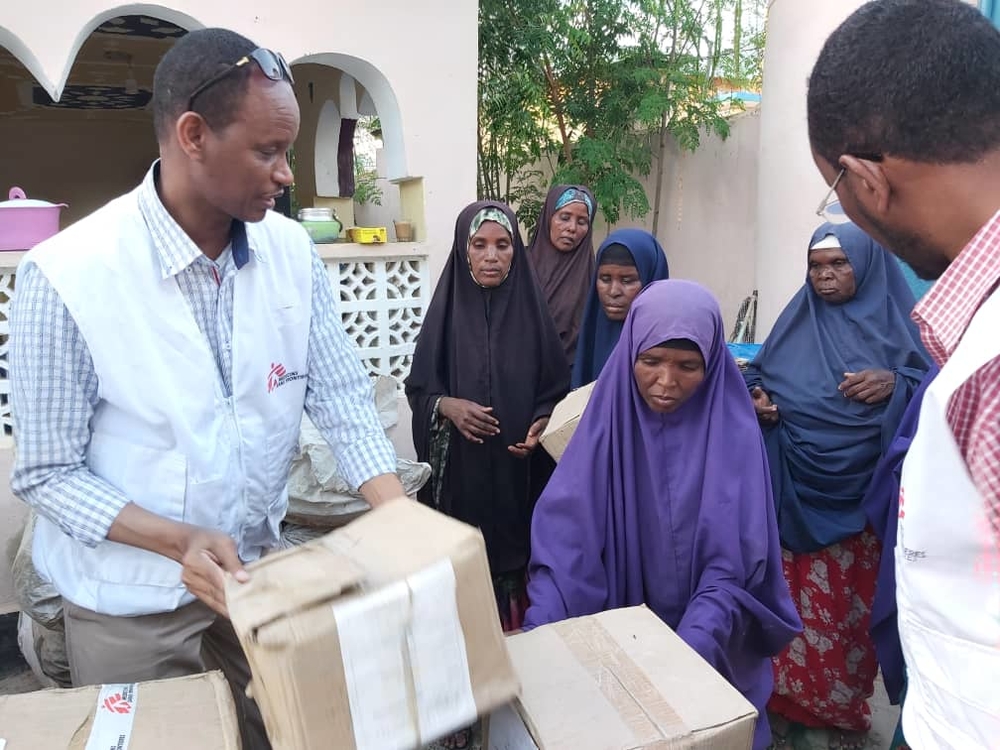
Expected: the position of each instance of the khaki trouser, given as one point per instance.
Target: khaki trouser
(106, 649)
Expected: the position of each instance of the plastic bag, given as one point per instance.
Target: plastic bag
(35, 595)
(315, 488)
(44, 649)
(292, 535)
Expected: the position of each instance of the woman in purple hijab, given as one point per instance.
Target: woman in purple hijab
(663, 498)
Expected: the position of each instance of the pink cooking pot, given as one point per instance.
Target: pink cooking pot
(25, 222)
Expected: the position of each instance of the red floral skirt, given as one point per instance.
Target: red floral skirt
(826, 675)
(511, 590)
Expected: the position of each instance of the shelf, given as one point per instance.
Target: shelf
(356, 251)
(332, 251)
(10, 258)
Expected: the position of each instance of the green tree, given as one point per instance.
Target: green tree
(594, 89)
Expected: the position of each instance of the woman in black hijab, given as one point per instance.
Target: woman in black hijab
(487, 371)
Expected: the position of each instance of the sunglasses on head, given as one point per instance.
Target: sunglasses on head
(271, 64)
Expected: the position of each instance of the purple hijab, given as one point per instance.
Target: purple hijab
(673, 511)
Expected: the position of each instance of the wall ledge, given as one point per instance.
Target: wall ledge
(333, 251)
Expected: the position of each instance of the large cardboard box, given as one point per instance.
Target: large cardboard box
(615, 681)
(383, 634)
(194, 713)
(565, 417)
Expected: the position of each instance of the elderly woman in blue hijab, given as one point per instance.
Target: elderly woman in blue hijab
(830, 386)
(627, 261)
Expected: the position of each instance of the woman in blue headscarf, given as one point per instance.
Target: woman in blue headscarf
(830, 386)
(627, 261)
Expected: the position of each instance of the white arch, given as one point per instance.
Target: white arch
(377, 86)
(327, 147)
(349, 98)
(366, 106)
(25, 56)
(160, 12)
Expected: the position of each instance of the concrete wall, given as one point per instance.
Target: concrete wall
(789, 185)
(707, 213)
(84, 165)
(425, 93)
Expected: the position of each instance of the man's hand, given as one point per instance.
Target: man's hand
(473, 421)
(767, 413)
(868, 386)
(382, 489)
(523, 450)
(206, 555)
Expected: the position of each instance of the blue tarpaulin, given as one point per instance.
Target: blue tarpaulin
(991, 9)
(744, 351)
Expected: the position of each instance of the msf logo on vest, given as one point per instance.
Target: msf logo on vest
(278, 376)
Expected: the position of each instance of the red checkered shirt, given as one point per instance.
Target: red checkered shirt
(943, 315)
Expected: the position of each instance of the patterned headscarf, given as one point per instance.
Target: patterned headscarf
(573, 195)
(565, 277)
(490, 214)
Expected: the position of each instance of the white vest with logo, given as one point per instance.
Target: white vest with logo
(948, 571)
(164, 433)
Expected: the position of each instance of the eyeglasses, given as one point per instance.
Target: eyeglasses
(271, 64)
(829, 208)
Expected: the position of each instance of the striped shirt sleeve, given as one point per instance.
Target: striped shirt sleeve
(339, 397)
(54, 390)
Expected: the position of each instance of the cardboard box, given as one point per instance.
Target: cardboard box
(383, 634)
(620, 679)
(565, 417)
(195, 713)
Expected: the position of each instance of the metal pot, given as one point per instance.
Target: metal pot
(25, 222)
(315, 214)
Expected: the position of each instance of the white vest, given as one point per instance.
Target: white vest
(948, 571)
(163, 433)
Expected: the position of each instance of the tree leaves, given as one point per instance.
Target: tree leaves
(572, 90)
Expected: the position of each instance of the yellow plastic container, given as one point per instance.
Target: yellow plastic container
(368, 235)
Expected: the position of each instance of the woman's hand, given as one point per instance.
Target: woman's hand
(473, 421)
(767, 413)
(523, 450)
(868, 386)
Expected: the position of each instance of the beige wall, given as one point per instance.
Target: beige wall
(84, 164)
(789, 186)
(425, 93)
(707, 213)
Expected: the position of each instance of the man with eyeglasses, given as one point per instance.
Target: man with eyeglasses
(904, 124)
(162, 351)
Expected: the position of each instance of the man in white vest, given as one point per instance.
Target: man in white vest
(904, 124)
(162, 351)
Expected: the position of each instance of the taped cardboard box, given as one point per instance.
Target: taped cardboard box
(195, 713)
(565, 417)
(620, 679)
(383, 634)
